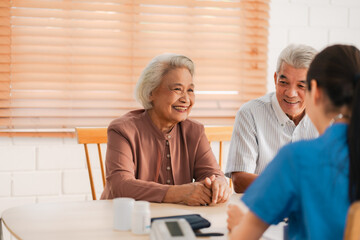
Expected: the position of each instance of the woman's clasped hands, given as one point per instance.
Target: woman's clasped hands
(211, 190)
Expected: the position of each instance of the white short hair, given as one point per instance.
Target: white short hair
(153, 73)
(296, 55)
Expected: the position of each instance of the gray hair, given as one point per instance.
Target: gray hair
(153, 73)
(296, 55)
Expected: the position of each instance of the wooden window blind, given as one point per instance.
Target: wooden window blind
(68, 63)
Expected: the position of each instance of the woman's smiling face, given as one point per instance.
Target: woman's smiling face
(173, 99)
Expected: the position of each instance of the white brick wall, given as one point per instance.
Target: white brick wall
(53, 169)
(345, 36)
(354, 18)
(17, 158)
(77, 181)
(335, 16)
(36, 183)
(280, 13)
(45, 170)
(346, 3)
(60, 157)
(5, 184)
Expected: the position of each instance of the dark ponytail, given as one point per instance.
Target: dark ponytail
(354, 144)
(336, 70)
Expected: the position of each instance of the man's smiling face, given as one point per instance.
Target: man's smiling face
(290, 84)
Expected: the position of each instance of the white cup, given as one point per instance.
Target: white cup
(123, 208)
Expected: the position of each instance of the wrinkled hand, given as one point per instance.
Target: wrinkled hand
(196, 194)
(219, 188)
(234, 216)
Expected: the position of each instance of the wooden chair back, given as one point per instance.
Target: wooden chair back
(352, 229)
(96, 136)
(221, 135)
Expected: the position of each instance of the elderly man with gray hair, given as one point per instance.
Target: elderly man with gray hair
(262, 126)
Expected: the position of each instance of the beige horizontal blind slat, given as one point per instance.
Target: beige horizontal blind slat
(5, 31)
(77, 60)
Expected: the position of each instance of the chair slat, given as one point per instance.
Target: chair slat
(218, 133)
(92, 136)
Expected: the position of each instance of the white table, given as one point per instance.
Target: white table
(94, 219)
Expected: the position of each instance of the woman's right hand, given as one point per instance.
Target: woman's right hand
(196, 194)
(193, 194)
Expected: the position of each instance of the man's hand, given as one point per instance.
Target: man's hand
(219, 188)
(234, 216)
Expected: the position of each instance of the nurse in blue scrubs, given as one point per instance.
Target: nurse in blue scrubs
(313, 182)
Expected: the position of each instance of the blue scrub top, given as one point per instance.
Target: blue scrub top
(307, 182)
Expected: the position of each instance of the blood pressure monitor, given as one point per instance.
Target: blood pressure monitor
(171, 229)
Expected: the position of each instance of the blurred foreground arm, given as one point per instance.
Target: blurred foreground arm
(250, 227)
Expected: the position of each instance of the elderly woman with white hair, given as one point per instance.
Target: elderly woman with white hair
(156, 153)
